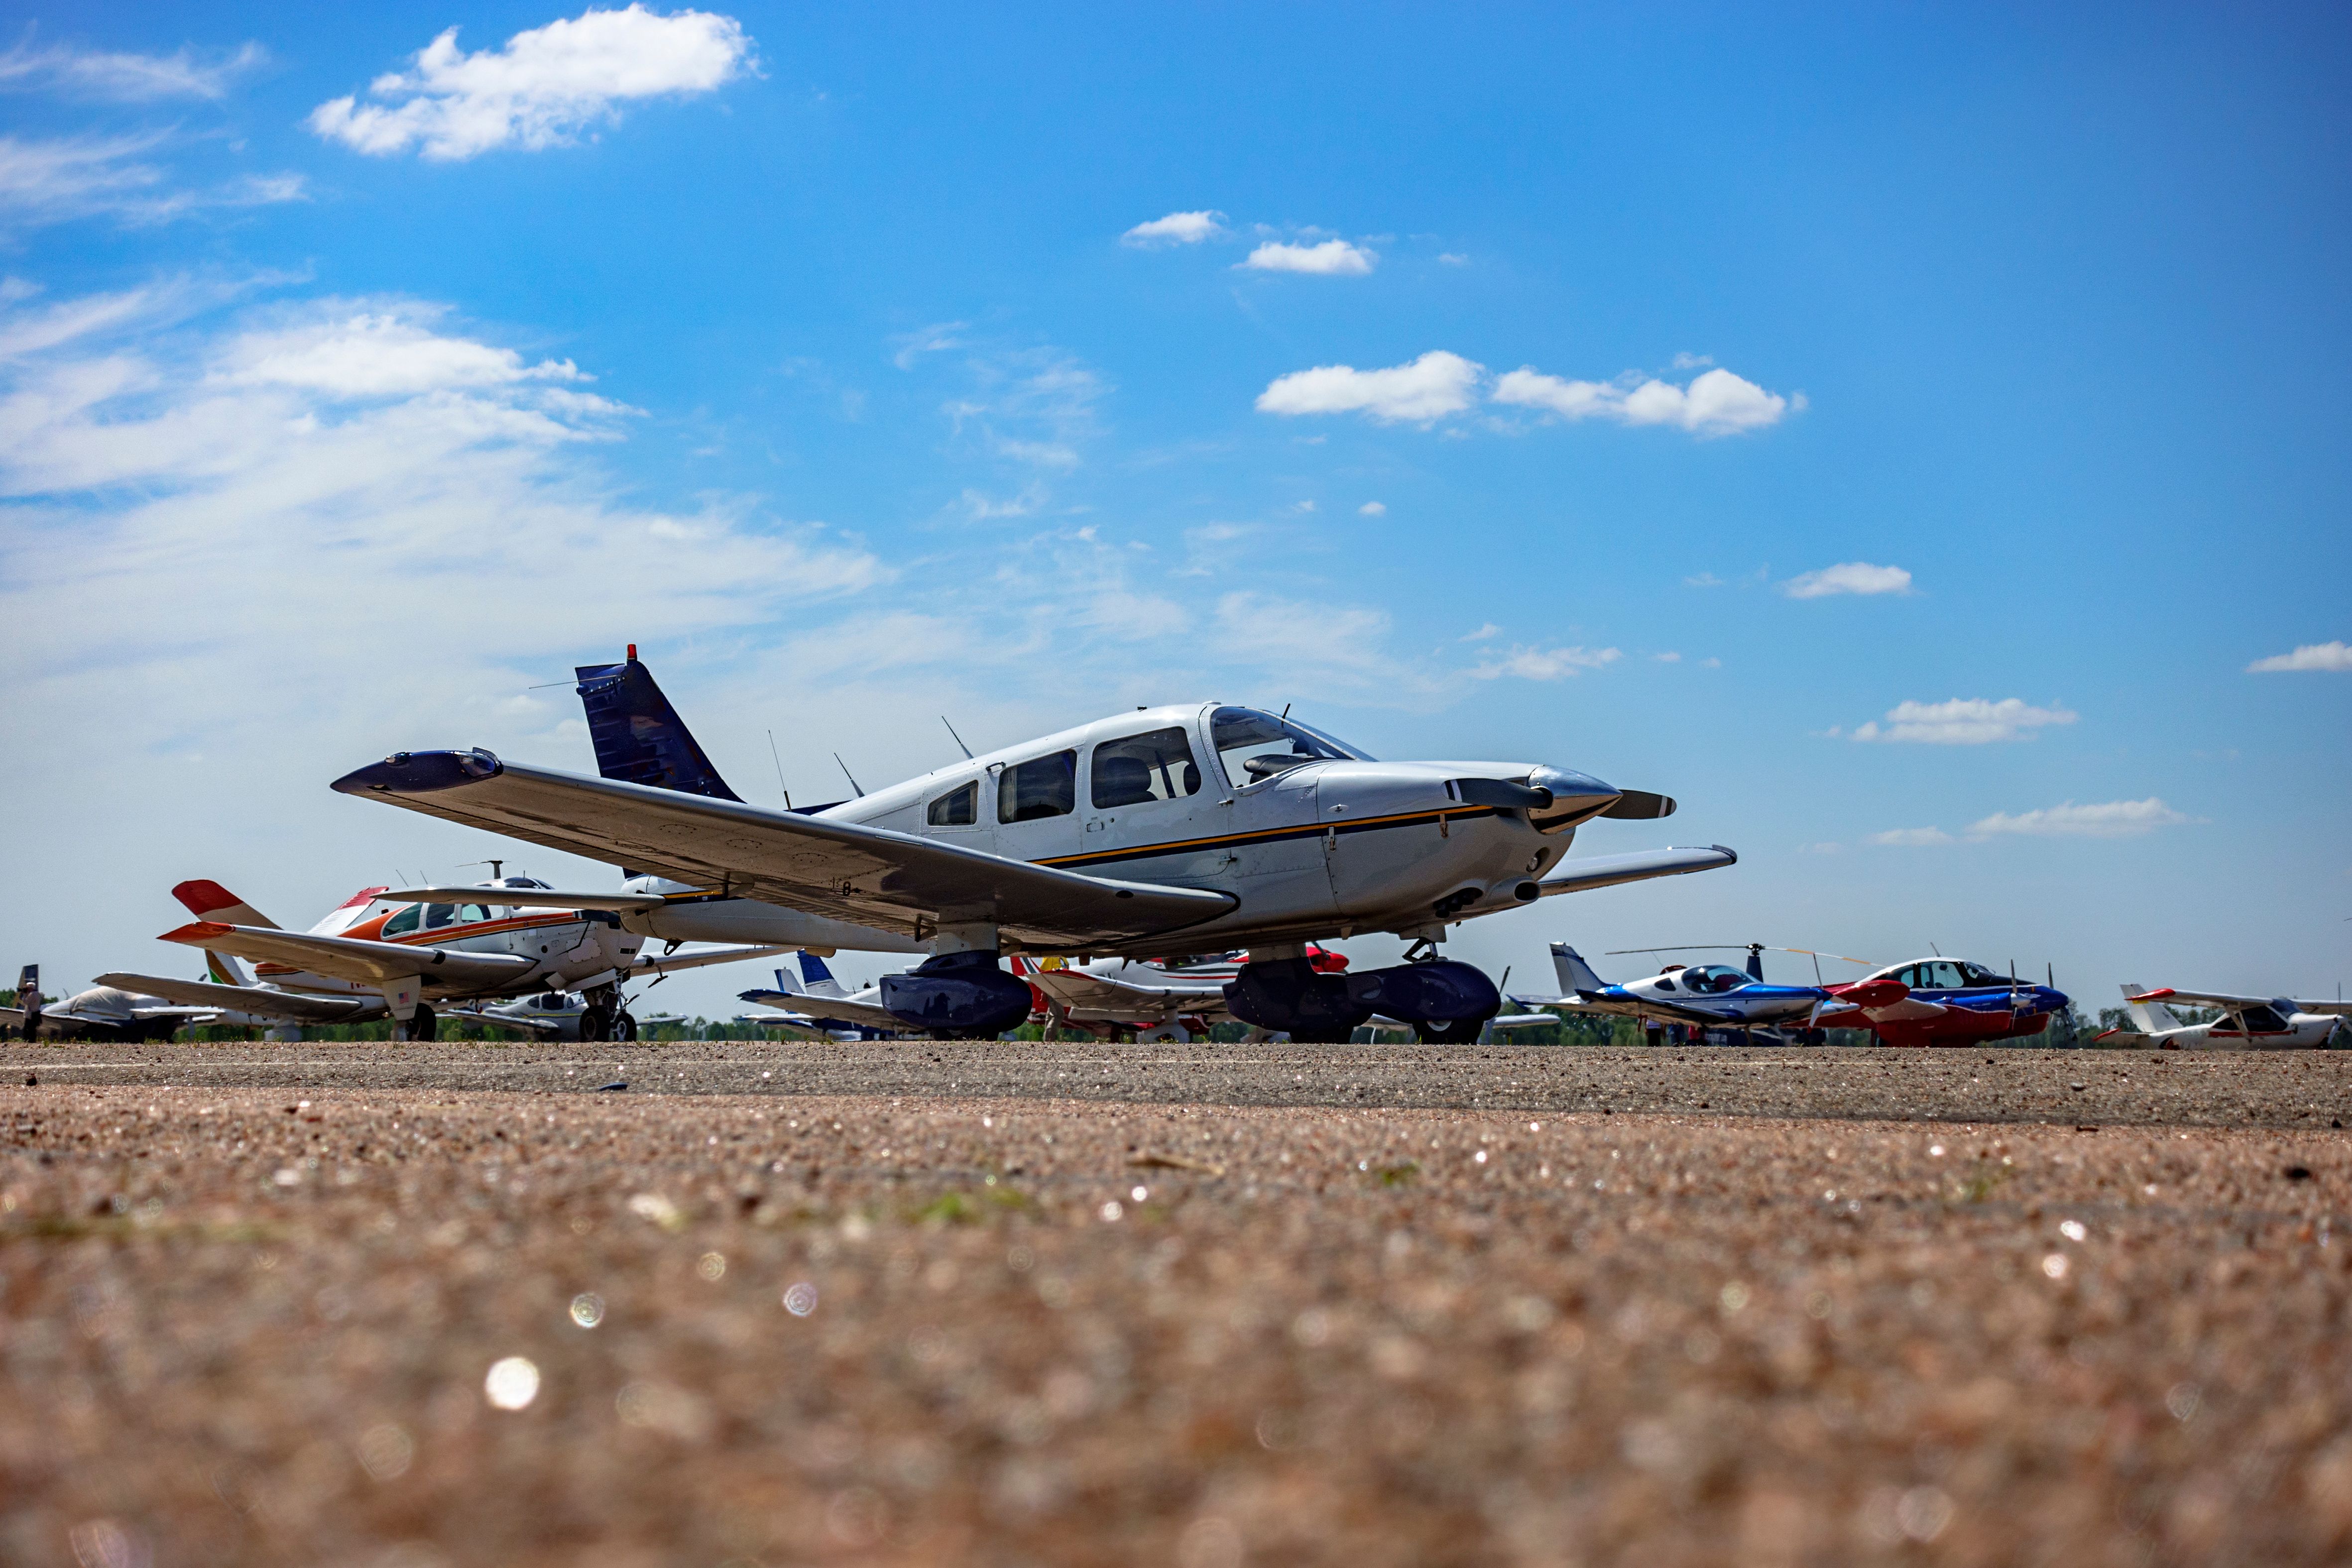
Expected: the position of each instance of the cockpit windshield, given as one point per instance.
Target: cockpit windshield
(1714, 979)
(1256, 746)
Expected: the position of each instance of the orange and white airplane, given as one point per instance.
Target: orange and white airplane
(374, 956)
(2246, 1023)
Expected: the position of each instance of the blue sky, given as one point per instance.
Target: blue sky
(1893, 432)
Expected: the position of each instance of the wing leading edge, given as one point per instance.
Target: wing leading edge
(869, 875)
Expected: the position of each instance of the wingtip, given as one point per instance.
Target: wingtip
(420, 773)
(198, 933)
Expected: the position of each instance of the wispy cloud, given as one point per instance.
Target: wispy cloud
(1373, 509)
(1546, 663)
(1963, 721)
(1330, 258)
(2103, 819)
(1848, 577)
(1176, 229)
(2333, 657)
(1715, 403)
(126, 78)
(1431, 387)
(2107, 820)
(1441, 385)
(55, 180)
(541, 88)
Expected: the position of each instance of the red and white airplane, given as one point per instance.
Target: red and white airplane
(374, 956)
(2246, 1023)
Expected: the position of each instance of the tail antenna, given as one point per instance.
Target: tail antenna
(959, 740)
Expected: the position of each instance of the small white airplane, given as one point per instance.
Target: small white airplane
(1168, 830)
(377, 955)
(105, 1011)
(817, 1004)
(1710, 996)
(2246, 1023)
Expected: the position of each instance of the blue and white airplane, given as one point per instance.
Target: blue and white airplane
(817, 1003)
(1706, 996)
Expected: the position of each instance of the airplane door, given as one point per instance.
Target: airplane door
(1282, 866)
(1148, 814)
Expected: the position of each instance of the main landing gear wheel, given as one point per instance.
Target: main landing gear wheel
(422, 1026)
(595, 1024)
(1461, 1031)
(624, 1027)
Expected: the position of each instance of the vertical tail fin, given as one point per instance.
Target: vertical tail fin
(1576, 975)
(787, 984)
(2151, 1016)
(638, 737)
(225, 970)
(211, 901)
(820, 980)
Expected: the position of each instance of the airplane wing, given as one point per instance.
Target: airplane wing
(2224, 1000)
(1086, 992)
(812, 1010)
(526, 898)
(352, 959)
(649, 964)
(1608, 871)
(291, 1006)
(1909, 1009)
(874, 876)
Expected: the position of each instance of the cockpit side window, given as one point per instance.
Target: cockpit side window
(957, 808)
(1943, 975)
(467, 914)
(406, 921)
(1137, 769)
(2263, 1021)
(1977, 974)
(1254, 746)
(1043, 786)
(439, 914)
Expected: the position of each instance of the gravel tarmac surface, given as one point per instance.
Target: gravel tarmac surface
(1196, 1306)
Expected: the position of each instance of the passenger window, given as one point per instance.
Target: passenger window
(469, 913)
(1154, 765)
(1046, 786)
(1944, 976)
(957, 808)
(402, 924)
(436, 915)
(2263, 1021)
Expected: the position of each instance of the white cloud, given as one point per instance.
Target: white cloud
(1547, 663)
(1716, 403)
(138, 79)
(1484, 634)
(1667, 658)
(1704, 579)
(2108, 819)
(390, 352)
(1332, 259)
(1963, 721)
(1373, 509)
(1848, 577)
(935, 338)
(1453, 258)
(1912, 837)
(1432, 387)
(46, 181)
(541, 88)
(2310, 656)
(1176, 229)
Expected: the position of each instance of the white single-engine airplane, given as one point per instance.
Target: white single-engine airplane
(1167, 830)
(2247, 1023)
(375, 955)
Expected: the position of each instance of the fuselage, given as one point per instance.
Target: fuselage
(1311, 837)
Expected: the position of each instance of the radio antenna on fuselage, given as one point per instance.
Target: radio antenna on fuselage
(959, 740)
(779, 769)
(846, 773)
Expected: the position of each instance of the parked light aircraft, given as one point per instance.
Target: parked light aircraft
(105, 1011)
(1167, 830)
(2246, 1023)
(1950, 1001)
(1706, 995)
(817, 1004)
(388, 955)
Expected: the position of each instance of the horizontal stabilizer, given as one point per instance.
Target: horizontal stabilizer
(210, 901)
(649, 964)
